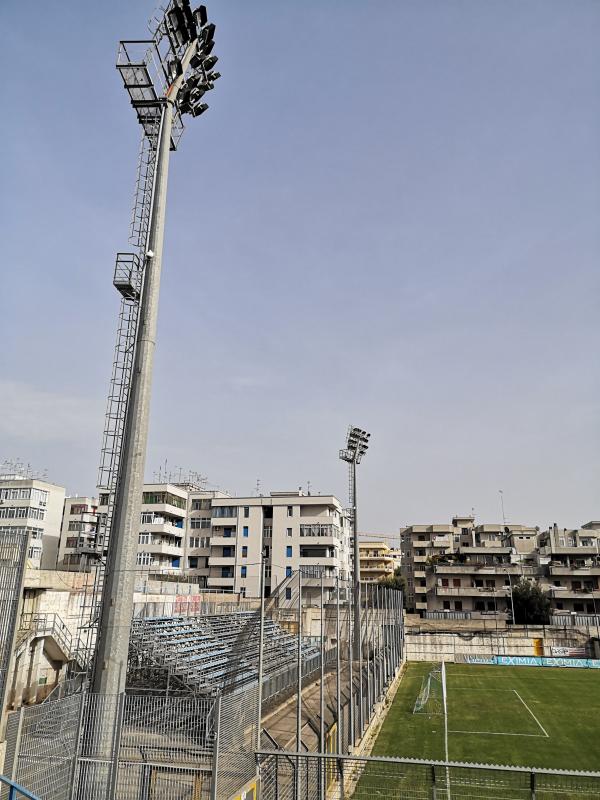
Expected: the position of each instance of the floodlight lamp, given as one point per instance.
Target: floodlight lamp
(208, 33)
(196, 60)
(213, 76)
(200, 109)
(174, 68)
(200, 16)
(207, 47)
(176, 21)
(210, 62)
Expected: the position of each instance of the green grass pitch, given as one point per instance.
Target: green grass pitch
(527, 716)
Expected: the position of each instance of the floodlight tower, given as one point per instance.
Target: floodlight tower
(166, 77)
(357, 444)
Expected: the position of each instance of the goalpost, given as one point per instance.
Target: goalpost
(433, 699)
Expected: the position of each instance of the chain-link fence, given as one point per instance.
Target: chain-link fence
(292, 776)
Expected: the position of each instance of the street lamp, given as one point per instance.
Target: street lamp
(357, 444)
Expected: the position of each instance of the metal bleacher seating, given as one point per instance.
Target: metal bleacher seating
(216, 653)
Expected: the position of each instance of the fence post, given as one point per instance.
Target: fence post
(77, 753)
(215, 765)
(433, 786)
(532, 784)
(114, 773)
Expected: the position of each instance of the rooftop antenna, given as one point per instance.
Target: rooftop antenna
(257, 488)
(501, 493)
(308, 487)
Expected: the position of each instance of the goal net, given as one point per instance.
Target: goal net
(430, 699)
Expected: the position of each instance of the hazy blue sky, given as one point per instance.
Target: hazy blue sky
(389, 216)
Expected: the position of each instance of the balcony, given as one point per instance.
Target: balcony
(220, 582)
(223, 541)
(472, 591)
(320, 561)
(163, 508)
(593, 569)
(564, 593)
(221, 561)
(161, 548)
(163, 527)
(318, 528)
(420, 573)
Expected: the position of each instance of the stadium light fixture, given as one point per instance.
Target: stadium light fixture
(357, 444)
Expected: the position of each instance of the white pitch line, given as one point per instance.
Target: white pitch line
(501, 733)
(532, 714)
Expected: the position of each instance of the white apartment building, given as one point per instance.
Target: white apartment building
(34, 507)
(218, 539)
(297, 531)
(78, 532)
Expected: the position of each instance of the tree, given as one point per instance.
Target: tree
(531, 603)
(395, 581)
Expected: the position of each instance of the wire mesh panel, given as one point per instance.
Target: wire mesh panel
(236, 744)
(162, 748)
(47, 747)
(289, 776)
(13, 550)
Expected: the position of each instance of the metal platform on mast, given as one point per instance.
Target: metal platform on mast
(140, 66)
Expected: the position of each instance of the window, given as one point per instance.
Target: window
(267, 550)
(195, 541)
(444, 581)
(199, 522)
(268, 571)
(243, 572)
(224, 511)
(245, 532)
(289, 531)
(290, 511)
(458, 605)
(227, 533)
(491, 605)
(144, 559)
(288, 551)
(479, 605)
(446, 605)
(193, 562)
(244, 551)
(246, 511)
(288, 593)
(456, 582)
(175, 560)
(227, 552)
(288, 572)
(144, 538)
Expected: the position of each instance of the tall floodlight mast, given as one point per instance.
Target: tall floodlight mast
(166, 77)
(357, 444)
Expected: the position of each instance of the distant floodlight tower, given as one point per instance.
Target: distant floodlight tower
(357, 444)
(166, 77)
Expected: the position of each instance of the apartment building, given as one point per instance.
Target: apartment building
(163, 526)
(377, 559)
(33, 507)
(218, 539)
(464, 567)
(297, 531)
(78, 532)
(570, 560)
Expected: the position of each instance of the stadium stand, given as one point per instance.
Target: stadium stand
(210, 654)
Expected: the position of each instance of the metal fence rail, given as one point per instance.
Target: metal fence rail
(327, 777)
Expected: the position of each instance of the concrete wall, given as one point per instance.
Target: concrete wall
(444, 645)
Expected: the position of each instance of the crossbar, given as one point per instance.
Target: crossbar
(14, 788)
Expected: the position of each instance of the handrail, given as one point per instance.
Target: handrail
(14, 788)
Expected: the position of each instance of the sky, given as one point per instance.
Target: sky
(389, 217)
